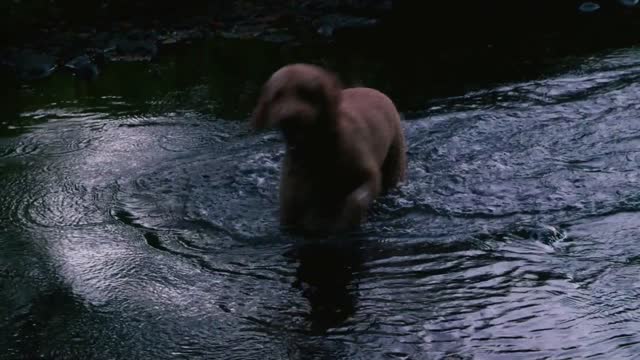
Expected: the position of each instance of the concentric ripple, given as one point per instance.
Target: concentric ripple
(212, 193)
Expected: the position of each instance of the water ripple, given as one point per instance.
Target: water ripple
(514, 237)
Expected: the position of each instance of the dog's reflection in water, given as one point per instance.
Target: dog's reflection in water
(326, 276)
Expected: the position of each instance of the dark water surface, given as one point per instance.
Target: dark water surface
(138, 216)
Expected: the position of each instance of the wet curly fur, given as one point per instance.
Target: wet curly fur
(345, 147)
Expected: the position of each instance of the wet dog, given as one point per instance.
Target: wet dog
(345, 147)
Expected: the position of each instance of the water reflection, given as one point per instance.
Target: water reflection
(327, 276)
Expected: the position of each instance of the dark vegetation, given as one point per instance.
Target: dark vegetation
(43, 36)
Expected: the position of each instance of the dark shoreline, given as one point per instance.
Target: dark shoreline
(80, 38)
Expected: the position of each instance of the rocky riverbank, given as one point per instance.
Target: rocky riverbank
(69, 35)
(41, 37)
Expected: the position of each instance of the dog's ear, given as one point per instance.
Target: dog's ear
(332, 89)
(259, 116)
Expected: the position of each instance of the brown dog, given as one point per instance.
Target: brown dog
(345, 147)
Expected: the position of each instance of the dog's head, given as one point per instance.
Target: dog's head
(298, 99)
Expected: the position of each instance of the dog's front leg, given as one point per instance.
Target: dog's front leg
(357, 203)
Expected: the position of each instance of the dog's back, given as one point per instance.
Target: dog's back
(372, 115)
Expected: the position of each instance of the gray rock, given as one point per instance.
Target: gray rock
(135, 46)
(83, 67)
(629, 3)
(329, 24)
(31, 65)
(589, 7)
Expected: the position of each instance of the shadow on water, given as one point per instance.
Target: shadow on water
(39, 327)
